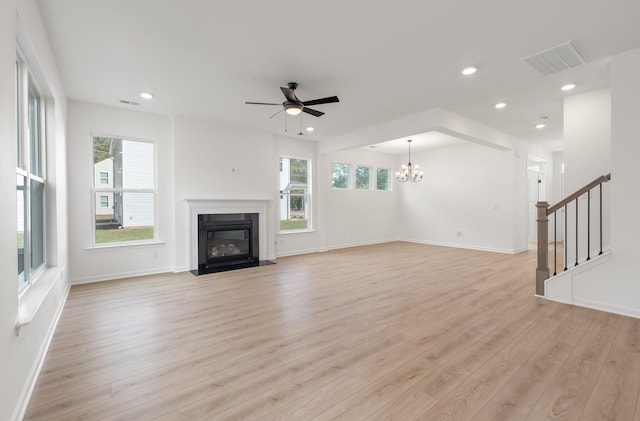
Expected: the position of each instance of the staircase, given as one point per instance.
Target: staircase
(579, 225)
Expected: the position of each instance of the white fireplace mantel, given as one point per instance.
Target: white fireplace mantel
(207, 206)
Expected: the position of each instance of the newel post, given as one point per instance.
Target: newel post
(542, 271)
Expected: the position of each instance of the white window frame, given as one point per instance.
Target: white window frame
(104, 203)
(308, 197)
(25, 82)
(106, 177)
(95, 190)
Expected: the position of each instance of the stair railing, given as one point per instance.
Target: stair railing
(544, 210)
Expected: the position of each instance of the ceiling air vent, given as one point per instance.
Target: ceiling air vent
(556, 59)
(124, 101)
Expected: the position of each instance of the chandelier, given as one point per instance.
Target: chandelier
(409, 172)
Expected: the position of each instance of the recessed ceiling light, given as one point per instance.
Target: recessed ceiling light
(540, 126)
(568, 87)
(146, 95)
(310, 129)
(500, 105)
(469, 71)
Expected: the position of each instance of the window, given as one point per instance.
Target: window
(295, 194)
(382, 179)
(340, 176)
(30, 177)
(125, 206)
(104, 177)
(363, 178)
(104, 201)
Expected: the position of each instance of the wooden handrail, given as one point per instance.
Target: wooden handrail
(574, 196)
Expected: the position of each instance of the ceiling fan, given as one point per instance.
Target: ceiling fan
(293, 106)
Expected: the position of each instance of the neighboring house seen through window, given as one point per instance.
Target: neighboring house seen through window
(125, 205)
(295, 194)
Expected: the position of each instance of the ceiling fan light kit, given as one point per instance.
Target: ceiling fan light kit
(292, 108)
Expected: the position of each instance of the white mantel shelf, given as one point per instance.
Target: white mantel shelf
(200, 206)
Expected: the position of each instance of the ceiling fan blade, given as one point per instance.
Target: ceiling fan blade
(313, 112)
(289, 94)
(262, 103)
(326, 100)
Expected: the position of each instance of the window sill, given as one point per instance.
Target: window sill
(121, 245)
(31, 301)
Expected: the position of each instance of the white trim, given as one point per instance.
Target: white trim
(337, 247)
(595, 305)
(197, 207)
(368, 243)
(27, 391)
(297, 252)
(33, 297)
(360, 244)
(466, 246)
(121, 275)
(120, 244)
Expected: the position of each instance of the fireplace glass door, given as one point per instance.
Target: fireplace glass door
(228, 242)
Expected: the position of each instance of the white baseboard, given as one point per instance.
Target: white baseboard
(333, 247)
(296, 253)
(120, 275)
(465, 246)
(623, 311)
(23, 402)
(359, 244)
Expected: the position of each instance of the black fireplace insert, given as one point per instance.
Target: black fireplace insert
(227, 241)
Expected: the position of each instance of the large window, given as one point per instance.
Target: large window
(340, 178)
(295, 194)
(30, 177)
(125, 205)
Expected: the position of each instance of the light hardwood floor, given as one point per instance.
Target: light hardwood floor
(394, 331)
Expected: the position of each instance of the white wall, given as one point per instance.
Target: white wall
(587, 155)
(220, 161)
(21, 356)
(587, 137)
(465, 200)
(614, 284)
(357, 217)
(99, 263)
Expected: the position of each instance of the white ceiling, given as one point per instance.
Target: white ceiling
(384, 60)
(420, 141)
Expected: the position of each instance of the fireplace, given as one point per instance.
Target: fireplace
(227, 241)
